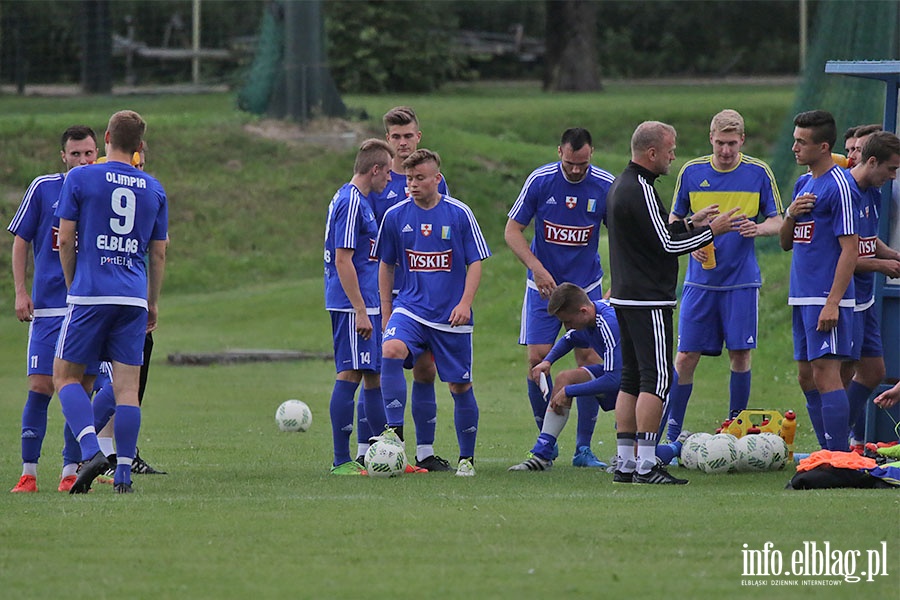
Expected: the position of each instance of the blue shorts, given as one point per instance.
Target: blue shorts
(538, 326)
(709, 318)
(452, 351)
(866, 335)
(611, 380)
(810, 344)
(351, 352)
(43, 332)
(91, 333)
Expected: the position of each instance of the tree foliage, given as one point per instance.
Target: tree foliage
(377, 46)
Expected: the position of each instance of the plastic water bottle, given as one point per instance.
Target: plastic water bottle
(788, 430)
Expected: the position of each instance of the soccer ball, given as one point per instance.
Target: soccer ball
(293, 415)
(754, 453)
(760, 453)
(690, 450)
(779, 451)
(385, 459)
(718, 455)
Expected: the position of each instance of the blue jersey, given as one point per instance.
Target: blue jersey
(35, 223)
(567, 219)
(351, 225)
(864, 283)
(434, 247)
(603, 338)
(816, 248)
(119, 210)
(749, 186)
(396, 191)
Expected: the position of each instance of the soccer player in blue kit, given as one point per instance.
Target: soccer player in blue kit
(821, 226)
(567, 202)
(720, 301)
(401, 127)
(119, 214)
(436, 240)
(351, 297)
(589, 324)
(35, 224)
(877, 164)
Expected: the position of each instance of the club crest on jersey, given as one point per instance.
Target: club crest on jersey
(445, 232)
(567, 235)
(592, 205)
(425, 229)
(867, 246)
(571, 202)
(803, 232)
(429, 262)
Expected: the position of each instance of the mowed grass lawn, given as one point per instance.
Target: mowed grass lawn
(248, 511)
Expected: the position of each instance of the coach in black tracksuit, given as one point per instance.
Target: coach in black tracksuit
(643, 250)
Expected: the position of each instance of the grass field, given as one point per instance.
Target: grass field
(249, 511)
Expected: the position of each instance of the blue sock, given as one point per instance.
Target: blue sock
(424, 412)
(814, 409)
(544, 446)
(393, 388)
(465, 416)
(71, 450)
(34, 426)
(76, 407)
(857, 396)
(678, 401)
(126, 429)
(666, 452)
(341, 409)
(374, 411)
(538, 403)
(588, 409)
(362, 422)
(104, 406)
(739, 388)
(836, 418)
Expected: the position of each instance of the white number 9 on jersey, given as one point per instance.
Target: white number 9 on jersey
(123, 204)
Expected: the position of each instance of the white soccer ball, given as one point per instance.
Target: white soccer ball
(385, 459)
(293, 415)
(758, 453)
(690, 451)
(718, 454)
(754, 453)
(779, 451)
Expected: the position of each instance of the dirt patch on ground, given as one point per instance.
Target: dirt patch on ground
(337, 134)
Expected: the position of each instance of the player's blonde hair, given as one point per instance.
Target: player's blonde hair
(420, 156)
(727, 121)
(567, 298)
(372, 152)
(126, 130)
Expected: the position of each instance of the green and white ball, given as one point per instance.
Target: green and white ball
(718, 454)
(779, 451)
(690, 450)
(385, 459)
(754, 453)
(293, 415)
